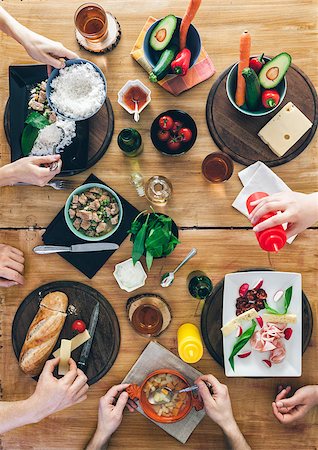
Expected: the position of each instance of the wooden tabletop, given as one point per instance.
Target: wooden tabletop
(222, 236)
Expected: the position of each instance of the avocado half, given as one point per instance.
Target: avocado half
(274, 70)
(162, 33)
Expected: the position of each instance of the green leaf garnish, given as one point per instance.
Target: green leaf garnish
(28, 138)
(287, 299)
(37, 120)
(241, 342)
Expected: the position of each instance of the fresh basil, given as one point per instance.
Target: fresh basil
(241, 342)
(28, 138)
(153, 238)
(287, 299)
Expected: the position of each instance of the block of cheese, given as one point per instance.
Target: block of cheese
(65, 354)
(229, 327)
(283, 318)
(76, 342)
(285, 129)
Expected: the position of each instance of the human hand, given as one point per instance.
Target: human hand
(11, 266)
(52, 394)
(288, 410)
(45, 50)
(218, 404)
(110, 414)
(31, 170)
(298, 210)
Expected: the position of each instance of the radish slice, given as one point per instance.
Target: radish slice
(244, 355)
(239, 331)
(267, 362)
(258, 285)
(243, 289)
(278, 296)
(288, 333)
(260, 321)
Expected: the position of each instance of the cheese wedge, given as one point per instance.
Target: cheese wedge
(229, 327)
(285, 129)
(65, 355)
(76, 342)
(281, 318)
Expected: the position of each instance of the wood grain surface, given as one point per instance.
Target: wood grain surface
(203, 210)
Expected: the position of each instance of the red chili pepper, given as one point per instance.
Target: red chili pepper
(181, 63)
(270, 98)
(257, 63)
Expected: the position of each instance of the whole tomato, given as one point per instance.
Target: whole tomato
(166, 122)
(185, 134)
(79, 326)
(163, 135)
(177, 126)
(174, 144)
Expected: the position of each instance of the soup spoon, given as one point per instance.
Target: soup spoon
(165, 394)
(136, 113)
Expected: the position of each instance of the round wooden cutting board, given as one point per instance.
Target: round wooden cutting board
(236, 133)
(82, 299)
(211, 321)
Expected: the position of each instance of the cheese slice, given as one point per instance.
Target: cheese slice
(65, 355)
(285, 129)
(76, 342)
(281, 318)
(229, 327)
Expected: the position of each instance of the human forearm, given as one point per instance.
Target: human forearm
(16, 414)
(98, 442)
(234, 438)
(12, 27)
(6, 175)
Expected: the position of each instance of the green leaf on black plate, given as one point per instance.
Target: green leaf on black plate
(28, 138)
(37, 120)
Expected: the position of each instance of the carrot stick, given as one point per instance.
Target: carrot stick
(245, 50)
(186, 21)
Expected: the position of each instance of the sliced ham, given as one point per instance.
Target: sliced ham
(269, 338)
(278, 354)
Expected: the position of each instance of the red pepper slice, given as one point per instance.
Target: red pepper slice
(257, 63)
(181, 63)
(270, 98)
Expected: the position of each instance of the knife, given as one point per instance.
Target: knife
(96, 247)
(82, 363)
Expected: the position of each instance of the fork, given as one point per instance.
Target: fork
(55, 184)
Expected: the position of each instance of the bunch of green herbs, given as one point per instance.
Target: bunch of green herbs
(152, 237)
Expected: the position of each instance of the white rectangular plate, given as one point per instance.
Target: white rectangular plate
(253, 366)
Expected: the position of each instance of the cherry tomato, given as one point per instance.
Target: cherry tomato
(79, 326)
(166, 123)
(176, 127)
(173, 144)
(163, 135)
(185, 134)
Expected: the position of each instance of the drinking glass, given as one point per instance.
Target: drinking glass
(91, 22)
(217, 167)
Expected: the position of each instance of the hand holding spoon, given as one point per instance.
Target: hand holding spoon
(167, 278)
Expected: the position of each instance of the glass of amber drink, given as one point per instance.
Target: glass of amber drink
(91, 22)
(217, 167)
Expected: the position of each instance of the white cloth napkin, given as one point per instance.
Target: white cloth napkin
(258, 178)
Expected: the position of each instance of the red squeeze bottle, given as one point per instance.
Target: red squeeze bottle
(272, 239)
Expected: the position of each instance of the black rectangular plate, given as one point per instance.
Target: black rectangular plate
(22, 79)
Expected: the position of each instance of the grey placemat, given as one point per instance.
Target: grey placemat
(155, 357)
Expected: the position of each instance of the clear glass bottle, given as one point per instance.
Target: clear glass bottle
(137, 180)
(158, 190)
(130, 142)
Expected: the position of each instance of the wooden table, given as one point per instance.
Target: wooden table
(223, 237)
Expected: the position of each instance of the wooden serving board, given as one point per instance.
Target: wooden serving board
(236, 133)
(106, 341)
(211, 321)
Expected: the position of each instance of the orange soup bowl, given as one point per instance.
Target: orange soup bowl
(189, 401)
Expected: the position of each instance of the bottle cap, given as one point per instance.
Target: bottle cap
(190, 352)
(272, 240)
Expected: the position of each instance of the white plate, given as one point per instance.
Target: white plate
(253, 366)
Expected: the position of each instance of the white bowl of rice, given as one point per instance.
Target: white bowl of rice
(78, 91)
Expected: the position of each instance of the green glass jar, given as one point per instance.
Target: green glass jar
(130, 142)
(199, 285)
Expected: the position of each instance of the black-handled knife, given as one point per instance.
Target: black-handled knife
(82, 363)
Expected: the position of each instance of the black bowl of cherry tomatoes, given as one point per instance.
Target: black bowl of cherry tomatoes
(173, 132)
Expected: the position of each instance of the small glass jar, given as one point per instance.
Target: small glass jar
(158, 190)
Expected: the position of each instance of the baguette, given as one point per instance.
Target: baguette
(43, 333)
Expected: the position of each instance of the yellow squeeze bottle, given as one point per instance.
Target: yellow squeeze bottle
(190, 347)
